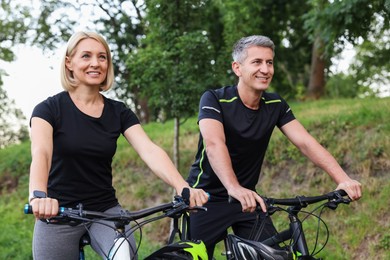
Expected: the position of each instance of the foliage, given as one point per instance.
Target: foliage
(174, 66)
(333, 24)
(340, 22)
(371, 67)
(12, 128)
(55, 23)
(14, 25)
(343, 85)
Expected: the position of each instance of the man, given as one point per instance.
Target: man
(236, 123)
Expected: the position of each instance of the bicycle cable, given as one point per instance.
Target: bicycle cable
(311, 213)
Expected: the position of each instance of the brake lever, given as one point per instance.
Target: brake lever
(333, 204)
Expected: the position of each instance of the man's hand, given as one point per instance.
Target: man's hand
(198, 197)
(248, 199)
(352, 187)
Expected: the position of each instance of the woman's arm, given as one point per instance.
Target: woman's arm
(41, 153)
(160, 163)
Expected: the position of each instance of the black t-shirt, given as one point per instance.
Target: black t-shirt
(83, 148)
(247, 134)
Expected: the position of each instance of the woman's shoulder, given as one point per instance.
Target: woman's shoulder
(54, 99)
(115, 102)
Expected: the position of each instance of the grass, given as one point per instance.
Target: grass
(355, 131)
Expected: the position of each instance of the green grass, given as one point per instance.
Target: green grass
(355, 131)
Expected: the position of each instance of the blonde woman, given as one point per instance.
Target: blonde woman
(74, 135)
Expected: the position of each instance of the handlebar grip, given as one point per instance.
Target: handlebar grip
(185, 194)
(341, 192)
(233, 200)
(27, 209)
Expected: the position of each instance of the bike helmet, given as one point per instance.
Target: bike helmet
(245, 249)
(182, 250)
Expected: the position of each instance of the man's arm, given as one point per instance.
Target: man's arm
(313, 150)
(218, 155)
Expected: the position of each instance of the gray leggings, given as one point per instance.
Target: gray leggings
(61, 242)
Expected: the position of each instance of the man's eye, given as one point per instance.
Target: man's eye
(270, 62)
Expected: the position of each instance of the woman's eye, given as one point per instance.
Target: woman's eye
(85, 56)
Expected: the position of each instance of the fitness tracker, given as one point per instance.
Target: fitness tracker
(37, 194)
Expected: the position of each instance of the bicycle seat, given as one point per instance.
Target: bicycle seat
(250, 250)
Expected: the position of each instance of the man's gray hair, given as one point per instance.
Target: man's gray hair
(240, 48)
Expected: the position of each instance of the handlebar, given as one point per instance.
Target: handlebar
(336, 196)
(178, 205)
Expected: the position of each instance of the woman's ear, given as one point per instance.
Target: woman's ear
(68, 63)
(236, 68)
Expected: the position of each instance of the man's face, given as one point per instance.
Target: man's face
(257, 70)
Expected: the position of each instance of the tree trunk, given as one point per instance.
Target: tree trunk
(176, 157)
(317, 74)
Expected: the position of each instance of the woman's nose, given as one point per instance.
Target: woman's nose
(94, 62)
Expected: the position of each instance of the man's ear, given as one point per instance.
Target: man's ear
(236, 68)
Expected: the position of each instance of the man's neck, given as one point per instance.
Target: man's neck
(250, 98)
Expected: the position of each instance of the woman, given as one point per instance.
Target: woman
(73, 141)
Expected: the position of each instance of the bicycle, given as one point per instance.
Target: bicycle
(294, 245)
(184, 248)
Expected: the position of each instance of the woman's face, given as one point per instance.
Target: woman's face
(89, 63)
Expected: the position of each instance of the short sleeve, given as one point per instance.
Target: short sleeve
(209, 107)
(128, 118)
(45, 110)
(286, 114)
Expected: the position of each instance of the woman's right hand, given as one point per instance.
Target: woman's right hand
(44, 208)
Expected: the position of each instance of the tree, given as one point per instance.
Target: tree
(175, 64)
(13, 30)
(332, 24)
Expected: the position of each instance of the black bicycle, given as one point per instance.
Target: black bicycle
(288, 244)
(184, 248)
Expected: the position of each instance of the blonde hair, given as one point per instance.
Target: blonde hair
(67, 80)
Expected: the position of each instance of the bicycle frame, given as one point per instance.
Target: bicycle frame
(265, 249)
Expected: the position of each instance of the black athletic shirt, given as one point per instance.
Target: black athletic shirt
(247, 134)
(83, 148)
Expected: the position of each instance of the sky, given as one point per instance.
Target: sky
(31, 78)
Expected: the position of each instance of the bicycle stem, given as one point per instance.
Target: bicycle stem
(296, 230)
